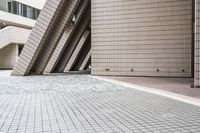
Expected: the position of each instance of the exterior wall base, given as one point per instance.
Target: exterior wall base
(8, 56)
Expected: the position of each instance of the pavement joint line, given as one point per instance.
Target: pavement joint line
(179, 97)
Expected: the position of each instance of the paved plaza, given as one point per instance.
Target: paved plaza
(81, 103)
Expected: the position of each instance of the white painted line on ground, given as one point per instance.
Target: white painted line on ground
(186, 99)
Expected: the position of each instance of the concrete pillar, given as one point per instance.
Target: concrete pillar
(197, 45)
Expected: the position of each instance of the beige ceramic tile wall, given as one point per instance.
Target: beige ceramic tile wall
(197, 44)
(140, 37)
(8, 56)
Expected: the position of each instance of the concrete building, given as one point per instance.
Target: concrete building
(128, 38)
(142, 38)
(60, 36)
(16, 21)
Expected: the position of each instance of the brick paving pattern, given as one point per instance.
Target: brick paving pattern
(83, 104)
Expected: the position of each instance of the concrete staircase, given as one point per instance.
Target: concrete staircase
(13, 35)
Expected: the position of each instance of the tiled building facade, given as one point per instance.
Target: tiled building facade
(128, 38)
(197, 47)
(141, 37)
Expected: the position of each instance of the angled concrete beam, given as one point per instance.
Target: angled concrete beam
(71, 45)
(66, 37)
(54, 58)
(85, 62)
(32, 47)
(48, 29)
(82, 55)
(64, 18)
(76, 52)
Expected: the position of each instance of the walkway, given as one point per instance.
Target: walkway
(81, 103)
(180, 86)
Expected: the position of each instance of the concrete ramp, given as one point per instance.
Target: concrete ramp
(13, 35)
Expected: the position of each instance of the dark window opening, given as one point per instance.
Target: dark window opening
(20, 49)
